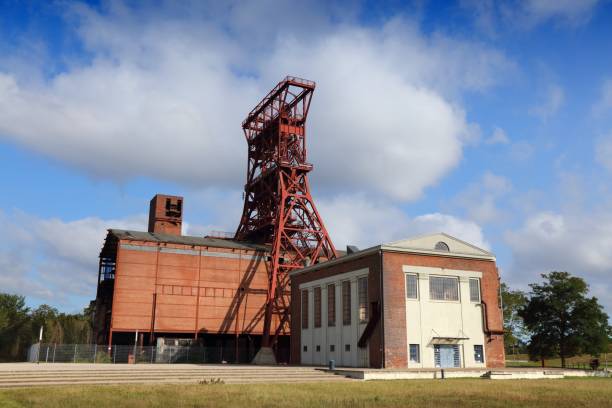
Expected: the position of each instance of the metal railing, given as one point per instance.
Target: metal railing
(92, 354)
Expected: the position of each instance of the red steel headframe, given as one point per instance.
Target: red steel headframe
(278, 208)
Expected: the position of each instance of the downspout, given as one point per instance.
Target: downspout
(382, 308)
(485, 324)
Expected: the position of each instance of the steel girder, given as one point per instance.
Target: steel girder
(278, 208)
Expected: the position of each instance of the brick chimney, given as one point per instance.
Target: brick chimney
(166, 214)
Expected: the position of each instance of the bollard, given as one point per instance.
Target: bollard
(442, 374)
(332, 364)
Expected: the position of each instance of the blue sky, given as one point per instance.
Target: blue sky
(491, 121)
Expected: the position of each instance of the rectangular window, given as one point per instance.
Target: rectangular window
(318, 349)
(415, 353)
(317, 306)
(362, 285)
(304, 309)
(346, 303)
(347, 347)
(442, 288)
(475, 290)
(332, 347)
(478, 353)
(411, 286)
(331, 305)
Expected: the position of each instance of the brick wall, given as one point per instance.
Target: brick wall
(372, 262)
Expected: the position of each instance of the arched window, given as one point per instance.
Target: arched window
(442, 246)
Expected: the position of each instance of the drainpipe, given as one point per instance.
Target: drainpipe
(382, 313)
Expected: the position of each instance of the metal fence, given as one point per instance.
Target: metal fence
(89, 353)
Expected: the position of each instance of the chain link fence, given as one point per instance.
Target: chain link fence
(89, 353)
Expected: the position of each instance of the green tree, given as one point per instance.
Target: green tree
(563, 320)
(514, 329)
(14, 326)
(44, 316)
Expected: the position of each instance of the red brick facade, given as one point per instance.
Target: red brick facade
(388, 344)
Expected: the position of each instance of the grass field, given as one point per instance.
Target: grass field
(572, 362)
(587, 392)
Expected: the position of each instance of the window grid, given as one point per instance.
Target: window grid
(412, 291)
(362, 285)
(475, 290)
(443, 288)
(304, 309)
(415, 353)
(478, 353)
(331, 305)
(317, 306)
(346, 303)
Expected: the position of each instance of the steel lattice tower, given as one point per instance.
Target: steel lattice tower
(278, 207)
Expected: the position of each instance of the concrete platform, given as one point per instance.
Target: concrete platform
(494, 374)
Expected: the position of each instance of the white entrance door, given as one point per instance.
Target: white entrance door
(446, 355)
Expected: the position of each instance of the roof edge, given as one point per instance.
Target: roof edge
(354, 255)
(488, 256)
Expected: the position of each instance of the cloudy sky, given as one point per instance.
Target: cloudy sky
(489, 120)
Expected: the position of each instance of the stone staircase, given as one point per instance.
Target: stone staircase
(28, 374)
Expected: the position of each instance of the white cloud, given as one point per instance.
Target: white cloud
(50, 260)
(604, 104)
(484, 13)
(577, 243)
(479, 199)
(527, 14)
(163, 97)
(573, 12)
(498, 136)
(522, 150)
(551, 102)
(356, 220)
(603, 151)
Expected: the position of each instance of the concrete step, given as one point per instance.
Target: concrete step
(74, 372)
(167, 381)
(176, 379)
(161, 375)
(153, 375)
(31, 376)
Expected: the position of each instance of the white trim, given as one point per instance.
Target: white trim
(359, 273)
(436, 253)
(428, 270)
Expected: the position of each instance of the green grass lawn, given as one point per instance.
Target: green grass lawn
(587, 392)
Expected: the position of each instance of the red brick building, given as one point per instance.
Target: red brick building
(427, 302)
(161, 284)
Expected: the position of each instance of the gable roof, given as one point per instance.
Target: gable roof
(427, 244)
(424, 244)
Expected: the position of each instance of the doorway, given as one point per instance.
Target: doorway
(447, 355)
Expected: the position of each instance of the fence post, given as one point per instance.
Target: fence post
(95, 352)
(114, 354)
(47, 355)
(54, 347)
(152, 351)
